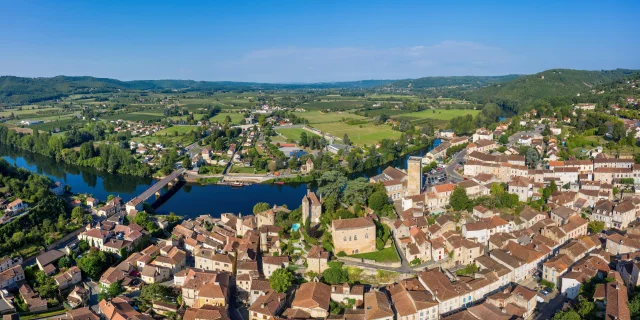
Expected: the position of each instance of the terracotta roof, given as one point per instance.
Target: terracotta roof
(376, 306)
(438, 284)
(447, 187)
(312, 295)
(353, 223)
(206, 312)
(268, 304)
(317, 252)
(486, 310)
(560, 262)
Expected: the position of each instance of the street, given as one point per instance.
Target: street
(553, 303)
(455, 161)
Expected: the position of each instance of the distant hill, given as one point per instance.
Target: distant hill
(548, 84)
(470, 82)
(18, 90)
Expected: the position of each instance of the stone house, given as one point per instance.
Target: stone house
(356, 235)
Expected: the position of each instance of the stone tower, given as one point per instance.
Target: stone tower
(311, 208)
(414, 176)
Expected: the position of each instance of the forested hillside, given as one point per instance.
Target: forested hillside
(18, 90)
(462, 81)
(547, 86)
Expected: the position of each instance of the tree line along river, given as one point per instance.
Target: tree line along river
(190, 200)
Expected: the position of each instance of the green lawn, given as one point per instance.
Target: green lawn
(251, 170)
(235, 117)
(294, 133)
(439, 114)
(385, 255)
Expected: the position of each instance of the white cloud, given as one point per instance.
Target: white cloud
(295, 64)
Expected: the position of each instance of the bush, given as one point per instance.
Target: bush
(342, 254)
(548, 284)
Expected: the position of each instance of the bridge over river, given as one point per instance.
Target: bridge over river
(170, 180)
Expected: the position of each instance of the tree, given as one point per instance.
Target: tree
(77, 214)
(331, 183)
(566, 315)
(303, 139)
(335, 275)
(93, 263)
(585, 308)
(64, 262)
(634, 306)
(531, 157)
(595, 227)
(503, 139)
(281, 280)
(459, 199)
(155, 292)
(83, 245)
(346, 140)
(115, 289)
(357, 191)
(261, 207)
(45, 285)
(378, 200)
(17, 238)
(186, 163)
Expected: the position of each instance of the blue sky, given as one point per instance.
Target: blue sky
(305, 41)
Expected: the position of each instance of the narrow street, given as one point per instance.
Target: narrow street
(455, 160)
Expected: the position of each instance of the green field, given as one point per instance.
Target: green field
(168, 136)
(196, 117)
(61, 124)
(440, 114)
(389, 112)
(328, 117)
(294, 133)
(136, 116)
(359, 134)
(332, 104)
(235, 117)
(385, 255)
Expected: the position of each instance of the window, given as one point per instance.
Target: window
(366, 236)
(355, 238)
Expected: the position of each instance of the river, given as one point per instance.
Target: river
(190, 200)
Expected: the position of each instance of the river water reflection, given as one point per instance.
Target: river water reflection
(190, 200)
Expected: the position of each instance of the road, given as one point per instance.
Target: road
(403, 259)
(548, 309)
(455, 160)
(94, 289)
